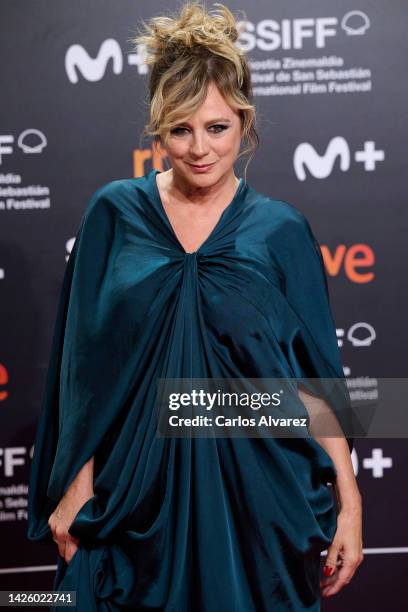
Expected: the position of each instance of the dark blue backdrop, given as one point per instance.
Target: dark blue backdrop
(331, 89)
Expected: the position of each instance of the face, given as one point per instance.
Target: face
(212, 135)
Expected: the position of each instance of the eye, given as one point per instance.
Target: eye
(177, 130)
(219, 128)
(219, 125)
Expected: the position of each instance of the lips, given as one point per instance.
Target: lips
(203, 165)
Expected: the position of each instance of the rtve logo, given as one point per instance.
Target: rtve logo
(4, 380)
(320, 166)
(356, 261)
(266, 35)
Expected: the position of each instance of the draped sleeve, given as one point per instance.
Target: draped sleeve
(81, 369)
(310, 336)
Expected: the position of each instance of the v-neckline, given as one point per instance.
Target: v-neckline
(167, 220)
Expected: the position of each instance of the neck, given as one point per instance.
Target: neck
(178, 188)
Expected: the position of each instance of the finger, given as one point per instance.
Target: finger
(61, 547)
(328, 580)
(73, 539)
(71, 543)
(54, 534)
(341, 578)
(332, 559)
(70, 550)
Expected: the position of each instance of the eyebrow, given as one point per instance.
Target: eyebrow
(216, 120)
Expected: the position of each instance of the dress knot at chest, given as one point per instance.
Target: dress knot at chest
(191, 258)
(190, 267)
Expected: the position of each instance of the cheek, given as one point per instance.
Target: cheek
(177, 148)
(229, 145)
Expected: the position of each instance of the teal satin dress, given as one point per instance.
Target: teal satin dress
(193, 524)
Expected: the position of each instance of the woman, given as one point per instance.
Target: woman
(179, 274)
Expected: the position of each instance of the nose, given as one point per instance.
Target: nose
(199, 146)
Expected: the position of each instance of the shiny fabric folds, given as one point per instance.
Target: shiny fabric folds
(183, 525)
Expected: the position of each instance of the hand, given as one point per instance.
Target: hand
(345, 553)
(63, 517)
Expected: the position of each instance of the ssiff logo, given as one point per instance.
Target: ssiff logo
(270, 34)
(29, 141)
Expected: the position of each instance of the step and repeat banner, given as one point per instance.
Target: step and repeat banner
(330, 87)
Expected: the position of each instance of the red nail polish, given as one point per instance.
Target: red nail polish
(327, 570)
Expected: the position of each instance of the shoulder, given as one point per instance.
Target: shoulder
(107, 204)
(282, 214)
(119, 196)
(101, 210)
(108, 196)
(289, 234)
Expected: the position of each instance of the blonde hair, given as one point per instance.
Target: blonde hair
(186, 51)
